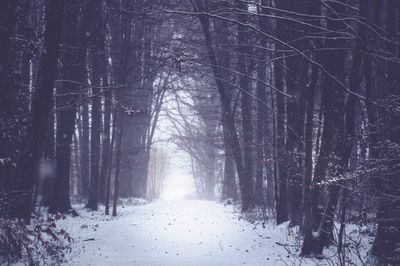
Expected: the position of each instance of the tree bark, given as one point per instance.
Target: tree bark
(97, 51)
(332, 101)
(41, 106)
(387, 238)
(106, 162)
(84, 148)
(231, 139)
(244, 68)
(68, 95)
(9, 88)
(120, 132)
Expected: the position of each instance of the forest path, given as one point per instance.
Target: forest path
(186, 232)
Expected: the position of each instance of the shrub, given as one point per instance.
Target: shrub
(35, 244)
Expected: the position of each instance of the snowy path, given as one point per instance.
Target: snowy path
(175, 233)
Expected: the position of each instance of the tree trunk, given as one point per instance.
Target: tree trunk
(345, 144)
(229, 187)
(228, 123)
(308, 161)
(106, 162)
(282, 211)
(120, 132)
(282, 205)
(387, 238)
(244, 67)
(110, 165)
(9, 122)
(41, 106)
(49, 162)
(262, 113)
(72, 71)
(332, 101)
(262, 117)
(97, 52)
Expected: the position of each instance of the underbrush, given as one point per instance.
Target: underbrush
(349, 246)
(40, 243)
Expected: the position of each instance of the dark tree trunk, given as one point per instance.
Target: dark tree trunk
(94, 153)
(106, 134)
(48, 177)
(345, 144)
(210, 162)
(282, 207)
(262, 117)
(8, 20)
(282, 203)
(332, 101)
(8, 90)
(229, 187)
(97, 52)
(387, 239)
(110, 164)
(262, 113)
(310, 96)
(41, 106)
(122, 40)
(308, 161)
(83, 190)
(120, 134)
(245, 68)
(296, 79)
(106, 164)
(228, 123)
(67, 97)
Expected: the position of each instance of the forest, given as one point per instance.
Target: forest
(286, 114)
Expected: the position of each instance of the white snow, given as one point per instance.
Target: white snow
(179, 232)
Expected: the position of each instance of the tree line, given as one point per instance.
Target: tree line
(309, 118)
(294, 107)
(82, 85)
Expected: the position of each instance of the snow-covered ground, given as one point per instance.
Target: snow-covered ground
(181, 232)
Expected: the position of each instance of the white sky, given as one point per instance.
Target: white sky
(179, 181)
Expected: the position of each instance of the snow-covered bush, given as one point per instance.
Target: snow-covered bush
(37, 244)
